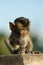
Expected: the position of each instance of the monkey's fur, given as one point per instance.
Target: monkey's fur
(21, 42)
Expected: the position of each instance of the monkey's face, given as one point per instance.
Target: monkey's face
(22, 29)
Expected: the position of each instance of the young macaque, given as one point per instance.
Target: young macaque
(20, 38)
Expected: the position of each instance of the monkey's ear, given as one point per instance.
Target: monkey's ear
(12, 26)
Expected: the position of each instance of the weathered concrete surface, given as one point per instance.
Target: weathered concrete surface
(36, 59)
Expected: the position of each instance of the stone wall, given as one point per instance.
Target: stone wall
(33, 59)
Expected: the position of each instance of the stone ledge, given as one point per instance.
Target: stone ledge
(16, 59)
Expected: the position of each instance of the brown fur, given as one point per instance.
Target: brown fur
(21, 43)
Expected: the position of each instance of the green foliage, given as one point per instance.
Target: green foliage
(3, 48)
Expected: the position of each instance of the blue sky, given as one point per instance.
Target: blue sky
(11, 9)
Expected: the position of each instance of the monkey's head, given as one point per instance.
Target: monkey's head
(21, 25)
(23, 21)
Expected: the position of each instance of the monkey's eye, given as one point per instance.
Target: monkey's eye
(24, 28)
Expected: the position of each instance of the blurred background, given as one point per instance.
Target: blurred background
(31, 9)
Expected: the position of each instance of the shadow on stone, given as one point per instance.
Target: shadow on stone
(11, 60)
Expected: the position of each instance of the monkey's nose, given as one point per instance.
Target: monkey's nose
(24, 32)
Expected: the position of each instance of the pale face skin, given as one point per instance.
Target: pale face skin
(23, 32)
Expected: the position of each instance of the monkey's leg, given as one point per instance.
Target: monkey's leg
(22, 47)
(21, 50)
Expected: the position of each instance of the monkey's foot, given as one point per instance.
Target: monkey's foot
(34, 52)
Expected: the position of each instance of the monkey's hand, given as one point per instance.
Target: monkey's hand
(21, 50)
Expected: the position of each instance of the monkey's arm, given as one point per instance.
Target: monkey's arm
(10, 47)
(30, 44)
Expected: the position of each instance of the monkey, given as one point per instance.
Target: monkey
(20, 36)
